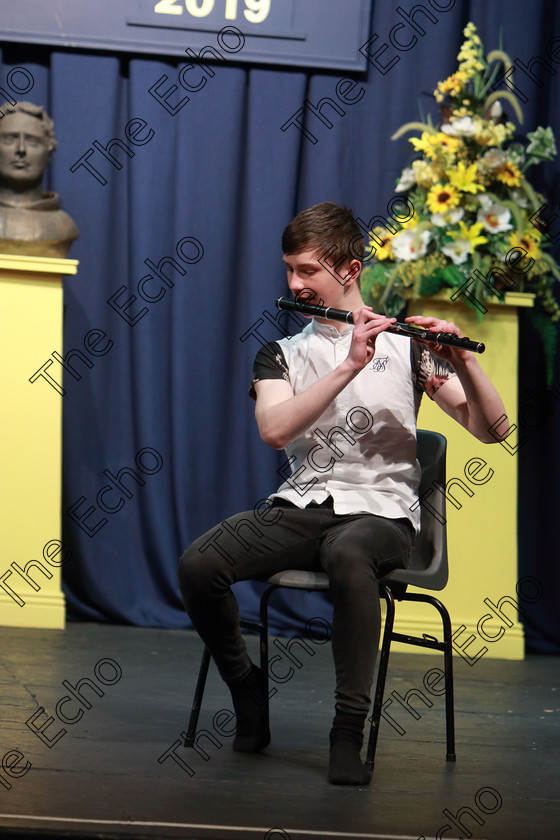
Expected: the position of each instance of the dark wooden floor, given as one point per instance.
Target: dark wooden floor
(107, 774)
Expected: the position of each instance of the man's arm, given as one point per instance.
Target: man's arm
(470, 398)
(282, 416)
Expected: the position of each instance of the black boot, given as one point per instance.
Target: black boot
(251, 711)
(345, 764)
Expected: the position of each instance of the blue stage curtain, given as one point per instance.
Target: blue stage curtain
(166, 397)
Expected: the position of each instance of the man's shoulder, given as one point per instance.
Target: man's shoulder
(290, 343)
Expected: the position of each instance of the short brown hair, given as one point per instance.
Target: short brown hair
(323, 226)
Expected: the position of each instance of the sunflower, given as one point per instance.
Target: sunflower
(442, 197)
(527, 241)
(508, 174)
(380, 242)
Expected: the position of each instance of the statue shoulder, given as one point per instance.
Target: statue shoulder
(24, 229)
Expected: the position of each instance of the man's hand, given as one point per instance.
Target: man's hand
(367, 326)
(453, 355)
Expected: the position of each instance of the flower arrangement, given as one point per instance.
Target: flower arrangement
(471, 199)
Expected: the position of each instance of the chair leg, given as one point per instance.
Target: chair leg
(447, 647)
(263, 633)
(381, 677)
(197, 700)
(261, 627)
(448, 669)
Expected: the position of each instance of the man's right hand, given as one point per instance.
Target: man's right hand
(367, 326)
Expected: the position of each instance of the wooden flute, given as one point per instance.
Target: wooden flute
(330, 314)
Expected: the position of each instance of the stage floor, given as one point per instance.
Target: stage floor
(118, 769)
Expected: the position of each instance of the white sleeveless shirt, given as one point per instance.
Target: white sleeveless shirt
(362, 449)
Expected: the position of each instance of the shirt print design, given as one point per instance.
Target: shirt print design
(379, 364)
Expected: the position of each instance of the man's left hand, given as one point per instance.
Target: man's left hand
(436, 325)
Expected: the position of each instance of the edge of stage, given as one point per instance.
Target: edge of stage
(104, 758)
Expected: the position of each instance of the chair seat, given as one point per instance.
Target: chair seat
(297, 579)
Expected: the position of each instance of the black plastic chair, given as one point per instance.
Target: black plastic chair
(428, 570)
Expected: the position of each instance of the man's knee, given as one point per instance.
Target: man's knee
(348, 569)
(196, 572)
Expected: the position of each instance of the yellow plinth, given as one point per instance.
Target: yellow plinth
(482, 530)
(31, 436)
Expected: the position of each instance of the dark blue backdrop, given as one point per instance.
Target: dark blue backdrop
(222, 172)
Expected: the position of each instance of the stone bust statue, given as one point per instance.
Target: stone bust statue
(31, 221)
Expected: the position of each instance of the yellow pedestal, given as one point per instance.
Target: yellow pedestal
(31, 436)
(482, 532)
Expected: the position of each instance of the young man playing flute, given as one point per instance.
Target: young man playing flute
(352, 510)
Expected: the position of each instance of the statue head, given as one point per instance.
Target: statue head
(26, 142)
(31, 221)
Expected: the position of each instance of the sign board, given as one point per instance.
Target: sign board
(303, 33)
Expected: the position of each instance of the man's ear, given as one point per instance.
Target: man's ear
(353, 272)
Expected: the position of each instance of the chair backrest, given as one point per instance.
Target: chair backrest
(428, 567)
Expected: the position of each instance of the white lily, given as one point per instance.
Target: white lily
(407, 180)
(494, 158)
(409, 245)
(494, 217)
(462, 127)
(457, 251)
(451, 217)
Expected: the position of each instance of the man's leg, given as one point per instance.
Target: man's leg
(356, 554)
(240, 548)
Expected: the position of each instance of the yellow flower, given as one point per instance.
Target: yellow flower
(471, 35)
(453, 85)
(380, 241)
(421, 144)
(494, 134)
(464, 178)
(508, 174)
(425, 173)
(451, 144)
(470, 67)
(412, 223)
(470, 55)
(470, 234)
(528, 242)
(434, 144)
(442, 197)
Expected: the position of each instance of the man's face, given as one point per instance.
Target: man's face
(23, 149)
(308, 279)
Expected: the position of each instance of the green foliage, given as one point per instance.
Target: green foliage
(452, 276)
(432, 283)
(393, 306)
